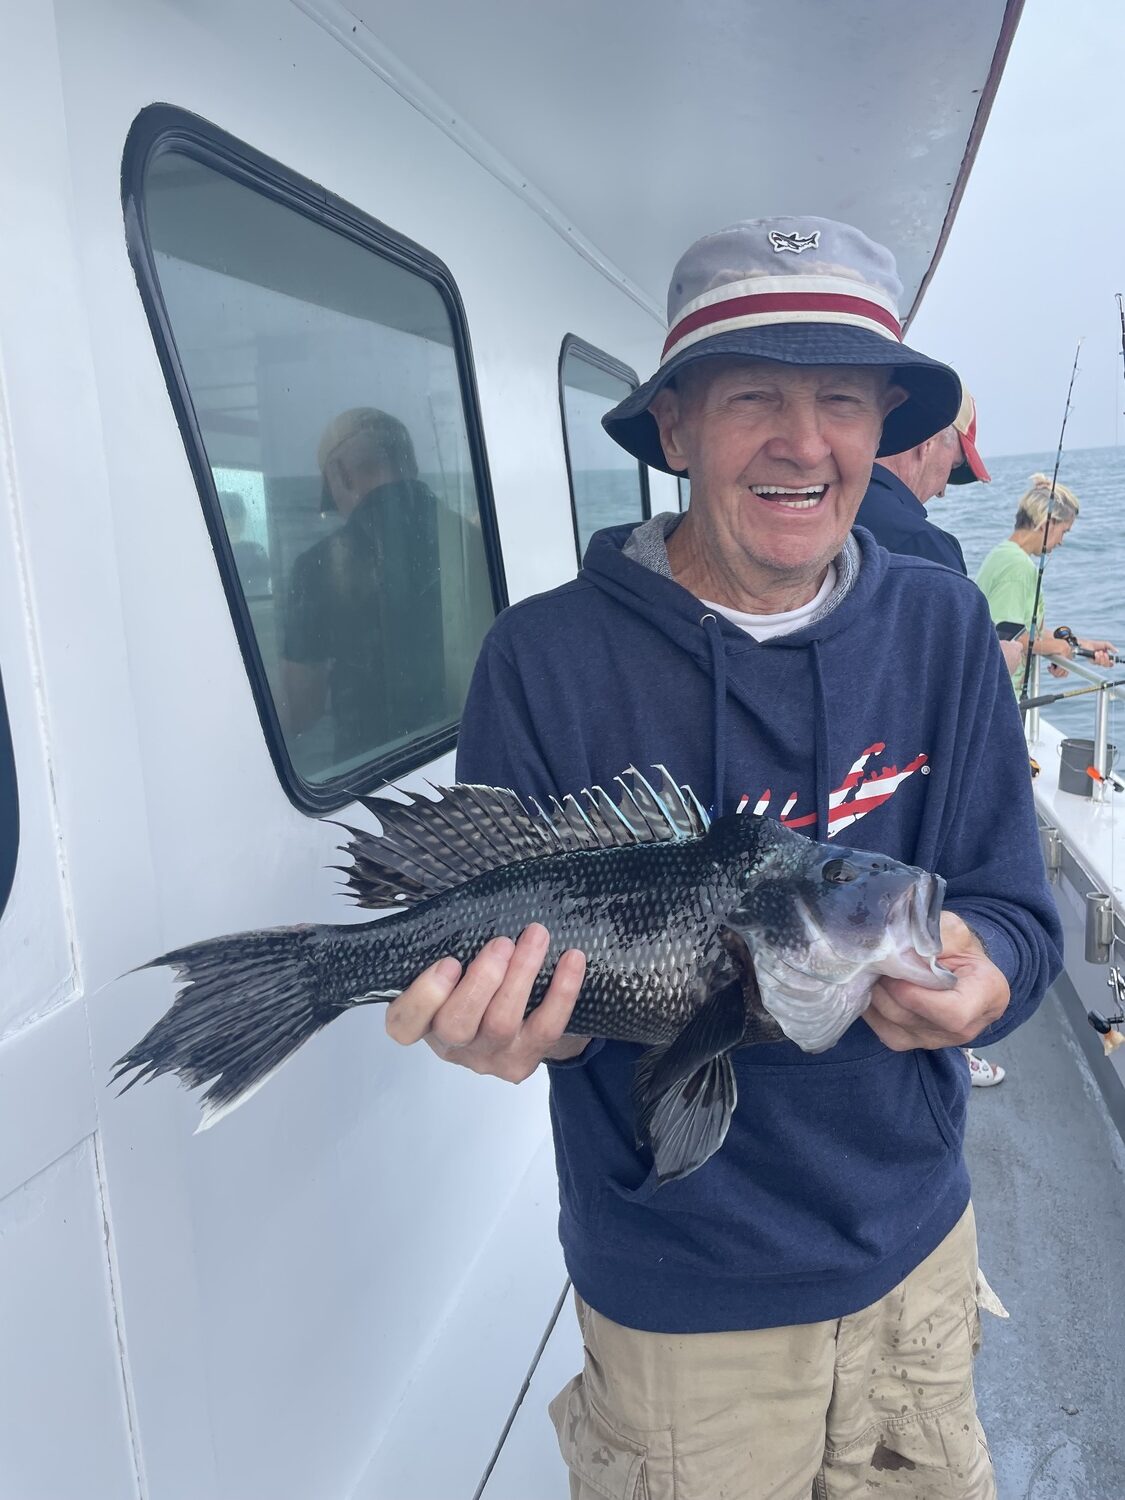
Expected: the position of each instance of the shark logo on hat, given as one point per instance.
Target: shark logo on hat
(795, 242)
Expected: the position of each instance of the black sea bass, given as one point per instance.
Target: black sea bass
(700, 937)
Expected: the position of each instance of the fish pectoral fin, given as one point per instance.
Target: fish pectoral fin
(687, 1124)
(684, 1094)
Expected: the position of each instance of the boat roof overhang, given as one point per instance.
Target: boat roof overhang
(637, 126)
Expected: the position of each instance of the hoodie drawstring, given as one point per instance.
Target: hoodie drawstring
(718, 710)
(820, 720)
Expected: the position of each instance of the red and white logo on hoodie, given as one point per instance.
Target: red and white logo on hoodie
(860, 792)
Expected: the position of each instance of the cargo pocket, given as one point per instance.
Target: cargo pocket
(608, 1463)
(972, 1324)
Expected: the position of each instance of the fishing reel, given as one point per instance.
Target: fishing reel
(1064, 633)
(1104, 1025)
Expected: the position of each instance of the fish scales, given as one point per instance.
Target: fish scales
(648, 919)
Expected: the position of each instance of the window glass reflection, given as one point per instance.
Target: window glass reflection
(606, 484)
(326, 388)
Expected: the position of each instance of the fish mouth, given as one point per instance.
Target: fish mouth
(915, 927)
(925, 914)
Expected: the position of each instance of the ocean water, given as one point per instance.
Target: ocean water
(1084, 580)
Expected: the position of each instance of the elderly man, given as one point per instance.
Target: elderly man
(903, 484)
(801, 1311)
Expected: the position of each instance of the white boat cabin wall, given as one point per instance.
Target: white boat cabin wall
(225, 225)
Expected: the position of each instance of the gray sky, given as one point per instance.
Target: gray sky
(1038, 248)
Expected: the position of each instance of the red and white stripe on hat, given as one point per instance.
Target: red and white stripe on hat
(761, 300)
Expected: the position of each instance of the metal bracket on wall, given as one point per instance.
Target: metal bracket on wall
(1051, 840)
(1099, 927)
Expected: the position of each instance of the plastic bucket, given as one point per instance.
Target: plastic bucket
(1075, 756)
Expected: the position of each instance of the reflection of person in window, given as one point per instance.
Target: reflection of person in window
(362, 626)
(250, 558)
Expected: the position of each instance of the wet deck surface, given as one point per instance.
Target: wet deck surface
(1048, 1171)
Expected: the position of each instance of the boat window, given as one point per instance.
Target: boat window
(9, 807)
(320, 370)
(683, 487)
(607, 486)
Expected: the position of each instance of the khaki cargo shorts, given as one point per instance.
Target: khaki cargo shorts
(879, 1403)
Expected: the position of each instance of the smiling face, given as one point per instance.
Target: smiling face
(780, 458)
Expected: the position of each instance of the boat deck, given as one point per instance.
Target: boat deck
(1048, 1171)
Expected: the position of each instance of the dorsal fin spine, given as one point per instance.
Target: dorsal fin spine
(609, 809)
(638, 803)
(597, 820)
(644, 827)
(481, 823)
(660, 804)
(669, 790)
(549, 827)
(581, 811)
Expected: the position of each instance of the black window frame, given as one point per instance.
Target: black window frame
(162, 128)
(9, 807)
(603, 361)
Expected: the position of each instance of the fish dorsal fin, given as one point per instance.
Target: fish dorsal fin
(427, 846)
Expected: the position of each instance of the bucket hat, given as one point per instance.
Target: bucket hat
(801, 291)
(970, 469)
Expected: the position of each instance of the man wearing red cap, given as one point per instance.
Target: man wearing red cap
(902, 484)
(798, 1314)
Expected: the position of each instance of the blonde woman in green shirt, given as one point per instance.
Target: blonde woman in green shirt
(1008, 575)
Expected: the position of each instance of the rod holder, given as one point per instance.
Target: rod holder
(1101, 788)
(1031, 690)
(1099, 927)
(1051, 842)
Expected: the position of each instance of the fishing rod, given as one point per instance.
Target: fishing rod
(1064, 633)
(1121, 315)
(1045, 698)
(1024, 704)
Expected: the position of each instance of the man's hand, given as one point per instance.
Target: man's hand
(1013, 653)
(1056, 670)
(903, 1015)
(477, 1019)
(1104, 651)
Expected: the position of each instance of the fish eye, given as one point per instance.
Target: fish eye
(839, 872)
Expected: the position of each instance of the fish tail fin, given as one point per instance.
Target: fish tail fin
(249, 1001)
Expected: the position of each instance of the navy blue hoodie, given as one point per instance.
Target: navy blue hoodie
(896, 518)
(890, 721)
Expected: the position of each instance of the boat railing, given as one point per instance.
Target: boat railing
(1107, 687)
(1079, 855)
